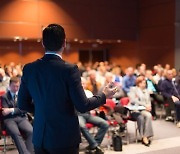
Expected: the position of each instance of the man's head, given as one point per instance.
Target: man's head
(148, 74)
(130, 71)
(14, 84)
(169, 74)
(53, 38)
(92, 74)
(109, 77)
(84, 83)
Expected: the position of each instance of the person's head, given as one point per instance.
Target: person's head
(137, 66)
(14, 72)
(2, 73)
(144, 66)
(174, 72)
(54, 38)
(92, 74)
(84, 82)
(141, 82)
(148, 74)
(169, 74)
(109, 77)
(14, 84)
(160, 71)
(8, 70)
(142, 70)
(130, 71)
(116, 70)
(167, 67)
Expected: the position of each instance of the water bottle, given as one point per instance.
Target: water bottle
(117, 141)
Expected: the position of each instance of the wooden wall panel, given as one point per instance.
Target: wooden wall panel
(117, 18)
(150, 42)
(29, 51)
(149, 3)
(125, 54)
(157, 31)
(157, 15)
(19, 11)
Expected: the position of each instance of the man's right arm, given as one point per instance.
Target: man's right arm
(24, 97)
(77, 94)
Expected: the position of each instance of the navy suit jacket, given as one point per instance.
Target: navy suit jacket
(55, 89)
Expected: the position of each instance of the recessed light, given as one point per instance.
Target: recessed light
(98, 40)
(118, 41)
(81, 41)
(76, 39)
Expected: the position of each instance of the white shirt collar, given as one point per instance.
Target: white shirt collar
(53, 53)
(12, 94)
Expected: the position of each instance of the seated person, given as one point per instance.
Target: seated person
(154, 93)
(108, 79)
(4, 80)
(170, 90)
(92, 84)
(114, 113)
(15, 120)
(139, 96)
(128, 80)
(120, 115)
(84, 118)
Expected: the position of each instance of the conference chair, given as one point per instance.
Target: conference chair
(124, 102)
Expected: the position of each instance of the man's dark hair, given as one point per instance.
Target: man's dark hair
(53, 37)
(14, 80)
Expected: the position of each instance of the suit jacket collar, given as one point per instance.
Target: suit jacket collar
(50, 57)
(53, 53)
(9, 96)
(11, 101)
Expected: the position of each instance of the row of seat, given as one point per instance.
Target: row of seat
(113, 124)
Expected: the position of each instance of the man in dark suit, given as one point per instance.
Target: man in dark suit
(15, 120)
(56, 90)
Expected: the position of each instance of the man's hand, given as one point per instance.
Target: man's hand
(6, 111)
(174, 98)
(110, 90)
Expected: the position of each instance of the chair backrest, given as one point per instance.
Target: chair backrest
(110, 103)
(108, 107)
(2, 93)
(124, 101)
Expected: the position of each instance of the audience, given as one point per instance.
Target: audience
(163, 87)
(154, 94)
